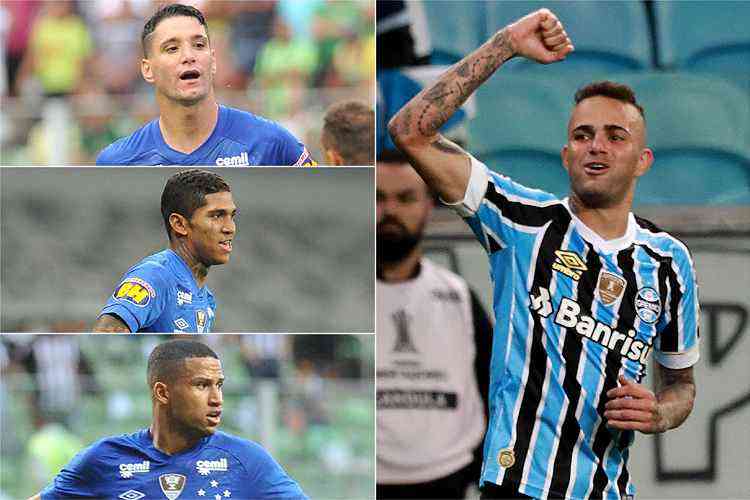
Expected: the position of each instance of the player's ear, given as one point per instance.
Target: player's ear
(645, 160)
(161, 392)
(564, 156)
(178, 223)
(213, 61)
(146, 70)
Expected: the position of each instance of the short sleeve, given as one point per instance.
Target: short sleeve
(677, 344)
(140, 297)
(266, 478)
(497, 209)
(291, 151)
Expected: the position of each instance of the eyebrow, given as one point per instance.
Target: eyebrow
(609, 127)
(177, 39)
(222, 211)
(207, 379)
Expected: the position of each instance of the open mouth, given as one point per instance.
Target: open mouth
(226, 245)
(191, 74)
(214, 417)
(595, 168)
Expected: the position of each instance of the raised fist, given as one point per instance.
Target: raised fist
(539, 36)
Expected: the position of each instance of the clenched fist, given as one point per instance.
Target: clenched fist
(539, 36)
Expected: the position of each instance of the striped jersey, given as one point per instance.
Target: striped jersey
(573, 311)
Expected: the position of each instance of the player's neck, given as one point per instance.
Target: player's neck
(198, 268)
(169, 440)
(403, 270)
(185, 128)
(610, 222)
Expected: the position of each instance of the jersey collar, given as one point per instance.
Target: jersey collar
(600, 244)
(178, 158)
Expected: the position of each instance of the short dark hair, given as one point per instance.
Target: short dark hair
(613, 90)
(185, 192)
(349, 127)
(172, 10)
(168, 358)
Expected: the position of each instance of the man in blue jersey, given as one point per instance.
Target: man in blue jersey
(193, 129)
(182, 453)
(166, 292)
(583, 289)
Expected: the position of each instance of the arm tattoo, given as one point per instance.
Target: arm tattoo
(110, 324)
(676, 395)
(446, 146)
(429, 110)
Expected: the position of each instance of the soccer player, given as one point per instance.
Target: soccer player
(433, 357)
(584, 291)
(348, 136)
(182, 452)
(193, 129)
(166, 292)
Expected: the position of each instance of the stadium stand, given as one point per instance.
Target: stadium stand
(599, 45)
(456, 28)
(706, 37)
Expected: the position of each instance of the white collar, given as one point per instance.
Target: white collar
(600, 244)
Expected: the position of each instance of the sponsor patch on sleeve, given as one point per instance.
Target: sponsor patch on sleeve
(305, 160)
(136, 291)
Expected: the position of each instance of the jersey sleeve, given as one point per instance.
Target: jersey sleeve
(291, 151)
(266, 478)
(140, 297)
(78, 479)
(497, 208)
(677, 344)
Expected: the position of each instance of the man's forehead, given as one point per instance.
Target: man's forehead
(599, 111)
(178, 27)
(222, 199)
(194, 367)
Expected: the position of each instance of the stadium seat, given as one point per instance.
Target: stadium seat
(456, 28)
(608, 36)
(705, 37)
(520, 128)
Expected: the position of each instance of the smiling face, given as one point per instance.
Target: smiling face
(195, 397)
(211, 229)
(605, 152)
(180, 62)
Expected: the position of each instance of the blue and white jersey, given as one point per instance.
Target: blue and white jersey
(239, 139)
(159, 294)
(573, 312)
(130, 467)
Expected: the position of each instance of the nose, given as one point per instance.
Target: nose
(188, 54)
(599, 143)
(229, 227)
(215, 398)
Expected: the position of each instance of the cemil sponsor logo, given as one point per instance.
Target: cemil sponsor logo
(136, 291)
(241, 160)
(184, 297)
(127, 470)
(205, 467)
(569, 263)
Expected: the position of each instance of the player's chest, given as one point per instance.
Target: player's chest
(190, 312)
(214, 478)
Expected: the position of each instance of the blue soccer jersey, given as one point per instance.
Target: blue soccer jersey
(239, 139)
(159, 294)
(129, 467)
(573, 312)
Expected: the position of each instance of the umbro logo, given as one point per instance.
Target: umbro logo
(131, 495)
(569, 263)
(242, 160)
(127, 470)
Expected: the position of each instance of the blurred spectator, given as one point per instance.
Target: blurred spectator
(283, 71)
(59, 49)
(50, 447)
(333, 22)
(252, 25)
(348, 136)
(61, 374)
(21, 18)
(263, 355)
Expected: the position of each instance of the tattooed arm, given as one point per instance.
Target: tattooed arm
(634, 407)
(443, 165)
(110, 323)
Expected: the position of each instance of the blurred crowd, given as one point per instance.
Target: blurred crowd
(71, 80)
(298, 396)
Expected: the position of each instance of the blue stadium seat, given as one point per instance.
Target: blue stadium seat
(708, 37)
(608, 36)
(456, 28)
(520, 129)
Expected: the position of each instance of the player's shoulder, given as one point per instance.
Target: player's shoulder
(442, 275)
(159, 267)
(653, 236)
(243, 125)
(131, 149)
(110, 450)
